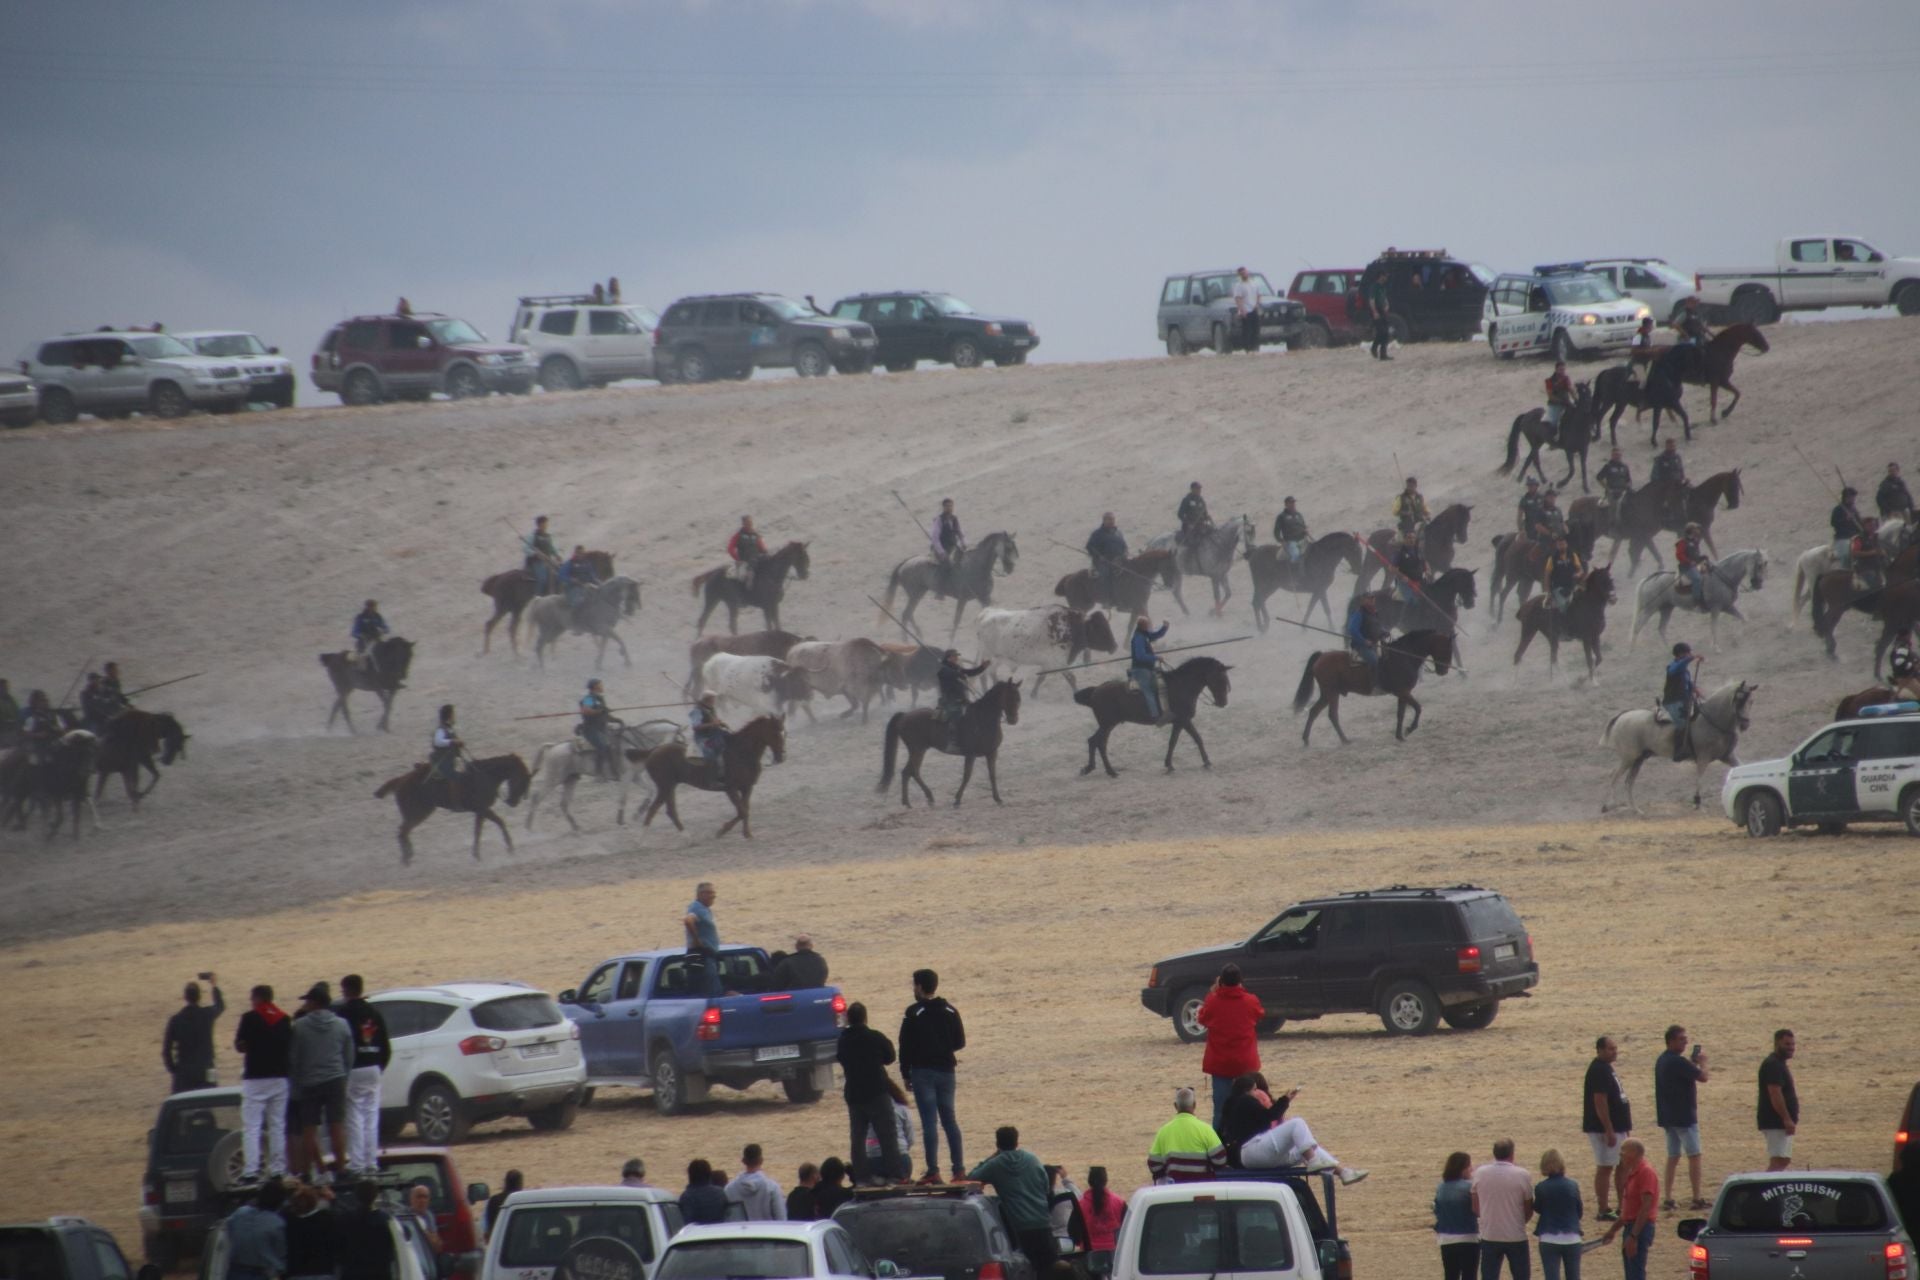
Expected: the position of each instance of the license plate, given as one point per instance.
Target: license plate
(776, 1052)
(180, 1192)
(539, 1050)
(1506, 951)
(1022, 342)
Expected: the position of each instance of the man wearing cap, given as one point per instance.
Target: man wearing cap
(542, 557)
(1845, 520)
(1640, 346)
(1409, 569)
(319, 1062)
(1869, 561)
(1195, 522)
(1616, 481)
(953, 686)
(1410, 508)
(1145, 664)
(709, 730)
(1290, 531)
(1246, 307)
(593, 727)
(1677, 697)
(1108, 547)
(1363, 631)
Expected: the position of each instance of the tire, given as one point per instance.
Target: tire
(1907, 298)
(283, 399)
(900, 366)
(1472, 1017)
(168, 401)
(1753, 306)
(1563, 348)
(669, 1089)
(1760, 812)
(1314, 337)
(557, 373)
(226, 1162)
(810, 360)
(360, 388)
(463, 383)
(1222, 340)
(556, 1117)
(1177, 341)
(438, 1117)
(1185, 1006)
(964, 354)
(57, 406)
(800, 1089)
(694, 366)
(1910, 810)
(1269, 1026)
(1409, 1008)
(1397, 327)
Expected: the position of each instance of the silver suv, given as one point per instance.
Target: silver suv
(580, 341)
(112, 373)
(269, 374)
(1196, 310)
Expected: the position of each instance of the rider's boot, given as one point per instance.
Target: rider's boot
(1682, 742)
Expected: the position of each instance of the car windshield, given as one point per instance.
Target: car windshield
(948, 305)
(1805, 1206)
(518, 1013)
(1481, 274)
(1260, 279)
(230, 344)
(453, 332)
(192, 1130)
(1575, 291)
(537, 1236)
(785, 308)
(925, 1237)
(428, 1173)
(1491, 918)
(158, 346)
(736, 1260)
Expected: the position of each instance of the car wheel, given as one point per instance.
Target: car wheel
(801, 1089)
(57, 406)
(226, 1162)
(1410, 1008)
(964, 354)
(1760, 812)
(1269, 1026)
(554, 1118)
(1397, 326)
(1177, 341)
(810, 360)
(694, 366)
(1563, 346)
(1910, 810)
(557, 373)
(1907, 300)
(163, 1251)
(360, 388)
(1753, 306)
(1222, 340)
(1186, 1015)
(1472, 1017)
(438, 1116)
(463, 383)
(1315, 336)
(901, 366)
(669, 1090)
(282, 399)
(169, 401)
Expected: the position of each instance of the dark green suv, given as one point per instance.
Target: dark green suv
(914, 326)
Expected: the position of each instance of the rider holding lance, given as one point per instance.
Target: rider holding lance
(1670, 471)
(1563, 573)
(112, 696)
(947, 544)
(594, 720)
(953, 686)
(1144, 663)
(1845, 519)
(1691, 562)
(1363, 631)
(1678, 696)
(369, 628)
(1108, 547)
(39, 728)
(1616, 481)
(1290, 531)
(1410, 508)
(1195, 523)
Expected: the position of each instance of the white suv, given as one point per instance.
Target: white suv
(113, 373)
(1662, 287)
(465, 1052)
(1567, 313)
(580, 341)
(1861, 770)
(269, 374)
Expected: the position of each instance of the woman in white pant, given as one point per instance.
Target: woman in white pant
(1291, 1144)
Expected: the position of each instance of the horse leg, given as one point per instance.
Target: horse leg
(1736, 398)
(1713, 415)
(340, 710)
(566, 802)
(1306, 735)
(407, 824)
(913, 763)
(993, 777)
(1333, 717)
(959, 607)
(1178, 599)
(494, 818)
(1399, 717)
(1633, 776)
(1526, 638)
(618, 642)
(739, 814)
(386, 708)
(966, 774)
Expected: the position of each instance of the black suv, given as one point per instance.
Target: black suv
(730, 335)
(915, 326)
(64, 1249)
(1430, 294)
(193, 1161)
(952, 1232)
(1412, 956)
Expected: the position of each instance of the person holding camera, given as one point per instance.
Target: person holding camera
(187, 1047)
(1677, 1076)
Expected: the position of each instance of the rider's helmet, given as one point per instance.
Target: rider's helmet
(370, 606)
(1682, 649)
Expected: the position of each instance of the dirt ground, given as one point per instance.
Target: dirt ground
(242, 548)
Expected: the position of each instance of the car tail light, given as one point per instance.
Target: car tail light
(474, 1045)
(1897, 1265)
(839, 1010)
(1153, 976)
(149, 1192)
(1697, 1263)
(992, 1271)
(1900, 1139)
(573, 1029)
(1469, 959)
(709, 1028)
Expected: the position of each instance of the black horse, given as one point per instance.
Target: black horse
(763, 591)
(1616, 390)
(383, 674)
(1401, 661)
(1436, 608)
(474, 791)
(977, 734)
(1572, 437)
(1119, 702)
(1272, 572)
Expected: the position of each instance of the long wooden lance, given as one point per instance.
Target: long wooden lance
(645, 706)
(1121, 565)
(910, 633)
(1182, 648)
(77, 677)
(147, 688)
(1453, 624)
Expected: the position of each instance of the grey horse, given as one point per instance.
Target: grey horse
(601, 608)
(562, 764)
(1636, 737)
(1211, 556)
(1656, 593)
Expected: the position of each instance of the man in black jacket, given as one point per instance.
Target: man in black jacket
(187, 1048)
(863, 1055)
(702, 1203)
(371, 1051)
(804, 969)
(264, 1041)
(363, 1243)
(930, 1035)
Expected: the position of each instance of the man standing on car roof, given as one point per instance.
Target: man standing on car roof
(187, 1048)
(931, 1037)
(263, 1039)
(864, 1055)
(371, 1053)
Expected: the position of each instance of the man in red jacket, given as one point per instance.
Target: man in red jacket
(1231, 1014)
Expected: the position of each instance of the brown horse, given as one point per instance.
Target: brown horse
(763, 591)
(58, 784)
(1437, 541)
(1517, 565)
(977, 734)
(512, 591)
(754, 644)
(128, 743)
(1896, 607)
(1579, 426)
(1650, 510)
(1584, 620)
(1133, 581)
(1119, 702)
(1401, 661)
(1715, 370)
(1272, 572)
(1907, 687)
(669, 769)
(383, 675)
(473, 791)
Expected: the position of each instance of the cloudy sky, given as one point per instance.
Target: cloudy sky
(278, 166)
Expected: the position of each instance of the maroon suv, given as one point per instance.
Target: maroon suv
(1335, 303)
(409, 357)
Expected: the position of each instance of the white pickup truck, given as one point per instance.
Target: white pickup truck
(1811, 273)
(1249, 1221)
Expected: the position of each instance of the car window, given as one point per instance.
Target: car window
(735, 1260)
(29, 1253)
(631, 976)
(1809, 250)
(886, 310)
(361, 335)
(1332, 282)
(681, 313)
(1641, 278)
(1174, 291)
(404, 335)
(925, 1238)
(1414, 923)
(559, 323)
(599, 987)
(192, 1130)
(1490, 918)
(1215, 287)
(1345, 927)
(610, 323)
(59, 355)
(537, 1236)
(683, 976)
(413, 1017)
(1855, 251)
(518, 1013)
(1574, 291)
(107, 1258)
(229, 344)
(1537, 298)
(158, 346)
(1887, 741)
(848, 309)
(717, 314)
(454, 332)
(1296, 930)
(420, 1173)
(1805, 1206)
(1260, 1237)
(912, 309)
(1184, 1238)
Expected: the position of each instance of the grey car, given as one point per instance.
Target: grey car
(1822, 1224)
(1196, 310)
(112, 373)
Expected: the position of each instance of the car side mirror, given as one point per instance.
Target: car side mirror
(477, 1192)
(1329, 1251)
(1688, 1228)
(885, 1270)
(423, 342)
(569, 996)
(273, 351)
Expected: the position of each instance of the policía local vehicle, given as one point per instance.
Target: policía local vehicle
(1861, 770)
(1810, 273)
(1569, 313)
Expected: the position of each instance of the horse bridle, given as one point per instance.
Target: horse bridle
(1739, 702)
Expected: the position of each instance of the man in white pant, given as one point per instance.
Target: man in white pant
(264, 1040)
(1291, 1144)
(370, 1054)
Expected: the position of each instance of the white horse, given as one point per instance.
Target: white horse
(1815, 561)
(1637, 736)
(601, 608)
(1658, 592)
(1210, 556)
(563, 764)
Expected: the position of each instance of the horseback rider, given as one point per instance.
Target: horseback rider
(576, 575)
(1363, 631)
(1553, 521)
(1559, 395)
(952, 678)
(1529, 509)
(444, 752)
(542, 557)
(1845, 519)
(1690, 326)
(1670, 471)
(709, 730)
(746, 548)
(369, 628)
(1678, 697)
(1409, 568)
(594, 722)
(1869, 561)
(111, 695)
(39, 728)
(1640, 346)
(1616, 481)
(1563, 573)
(1195, 522)
(1108, 547)
(1892, 496)
(1409, 509)
(96, 705)
(947, 543)
(1144, 665)
(1691, 563)
(9, 714)
(1290, 531)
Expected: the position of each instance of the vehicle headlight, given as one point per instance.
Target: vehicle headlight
(1644, 313)
(493, 358)
(841, 334)
(1587, 317)
(993, 330)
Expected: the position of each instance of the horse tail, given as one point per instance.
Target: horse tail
(893, 584)
(1304, 694)
(890, 750)
(1606, 734)
(1513, 447)
(391, 785)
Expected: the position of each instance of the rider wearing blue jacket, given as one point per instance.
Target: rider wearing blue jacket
(1145, 663)
(1677, 697)
(1363, 631)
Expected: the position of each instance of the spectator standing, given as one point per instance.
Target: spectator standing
(703, 934)
(1676, 1103)
(931, 1037)
(702, 1201)
(1779, 1108)
(1186, 1148)
(363, 1244)
(318, 1063)
(754, 1191)
(1246, 307)
(310, 1234)
(1909, 1120)
(371, 1052)
(1606, 1119)
(187, 1046)
(257, 1236)
(1502, 1201)
(264, 1040)
(1377, 305)
(800, 1201)
(1103, 1212)
(513, 1182)
(863, 1055)
(420, 1211)
(1556, 1199)
(804, 969)
(1020, 1180)
(1639, 1206)
(1231, 1014)
(831, 1191)
(1455, 1228)
(634, 1173)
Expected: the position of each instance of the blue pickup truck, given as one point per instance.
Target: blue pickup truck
(680, 1023)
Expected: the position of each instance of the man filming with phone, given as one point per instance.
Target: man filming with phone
(1677, 1075)
(187, 1046)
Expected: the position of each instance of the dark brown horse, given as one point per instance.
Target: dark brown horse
(1710, 366)
(1896, 607)
(128, 744)
(1616, 390)
(383, 675)
(1312, 577)
(512, 591)
(1901, 690)
(1584, 620)
(764, 591)
(1651, 510)
(670, 768)
(473, 791)
(754, 644)
(1401, 661)
(1437, 541)
(1517, 565)
(1573, 436)
(1119, 702)
(54, 787)
(1133, 581)
(977, 734)
(1437, 607)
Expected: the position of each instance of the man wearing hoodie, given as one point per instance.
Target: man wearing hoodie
(371, 1050)
(263, 1040)
(321, 1059)
(1231, 1014)
(930, 1035)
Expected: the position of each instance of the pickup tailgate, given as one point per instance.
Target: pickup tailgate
(772, 1026)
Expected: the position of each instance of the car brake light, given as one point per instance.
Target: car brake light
(709, 1028)
(1469, 959)
(1697, 1263)
(992, 1271)
(1900, 1138)
(839, 1010)
(776, 999)
(1795, 1241)
(473, 1045)
(1897, 1268)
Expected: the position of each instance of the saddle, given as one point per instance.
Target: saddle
(1160, 694)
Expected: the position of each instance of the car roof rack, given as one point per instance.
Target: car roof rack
(565, 300)
(1413, 890)
(1392, 254)
(919, 1191)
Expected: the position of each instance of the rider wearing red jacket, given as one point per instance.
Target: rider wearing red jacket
(1692, 562)
(745, 547)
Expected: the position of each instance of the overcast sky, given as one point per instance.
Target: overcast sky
(279, 166)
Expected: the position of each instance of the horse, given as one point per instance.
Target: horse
(55, 786)
(1660, 591)
(1312, 577)
(1897, 607)
(472, 791)
(970, 579)
(1133, 581)
(1578, 426)
(563, 764)
(669, 769)
(1639, 734)
(599, 612)
(128, 744)
(512, 591)
(1716, 371)
(1517, 565)
(1119, 702)
(383, 675)
(1903, 562)
(1437, 607)
(763, 590)
(1903, 689)
(1401, 660)
(1616, 390)
(1648, 511)
(1585, 618)
(1437, 542)
(977, 734)
(1209, 555)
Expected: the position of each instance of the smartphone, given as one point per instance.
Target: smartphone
(1695, 1055)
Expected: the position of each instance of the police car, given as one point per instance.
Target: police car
(1861, 770)
(1565, 312)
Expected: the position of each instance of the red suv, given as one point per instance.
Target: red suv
(411, 355)
(1336, 306)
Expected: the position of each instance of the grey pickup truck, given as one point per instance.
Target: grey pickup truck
(1824, 1223)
